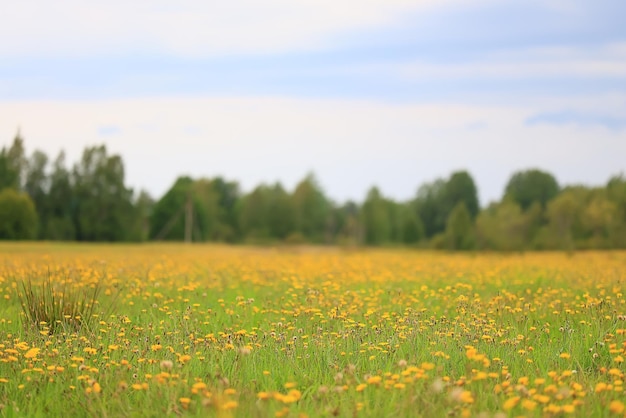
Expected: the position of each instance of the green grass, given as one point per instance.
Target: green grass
(447, 335)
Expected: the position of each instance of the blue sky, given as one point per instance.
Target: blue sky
(391, 93)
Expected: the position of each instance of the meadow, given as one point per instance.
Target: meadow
(259, 332)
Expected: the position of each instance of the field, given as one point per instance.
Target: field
(227, 331)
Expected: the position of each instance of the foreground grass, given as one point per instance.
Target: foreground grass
(219, 331)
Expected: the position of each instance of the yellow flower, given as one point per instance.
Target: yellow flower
(184, 402)
(263, 395)
(32, 353)
(616, 407)
(529, 405)
(229, 405)
(510, 403)
(466, 397)
(374, 380)
(197, 387)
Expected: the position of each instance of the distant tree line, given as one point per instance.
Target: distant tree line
(46, 199)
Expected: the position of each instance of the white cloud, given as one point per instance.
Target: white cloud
(190, 27)
(556, 62)
(351, 145)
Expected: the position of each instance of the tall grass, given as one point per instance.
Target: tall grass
(49, 307)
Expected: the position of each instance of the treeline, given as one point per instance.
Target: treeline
(46, 199)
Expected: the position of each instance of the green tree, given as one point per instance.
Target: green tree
(348, 229)
(104, 209)
(253, 214)
(435, 201)
(281, 213)
(599, 220)
(459, 229)
(460, 187)
(12, 164)
(562, 212)
(312, 209)
(375, 215)
(143, 204)
(18, 217)
(530, 186)
(207, 211)
(502, 226)
(168, 216)
(228, 196)
(431, 207)
(37, 185)
(412, 229)
(61, 203)
(616, 193)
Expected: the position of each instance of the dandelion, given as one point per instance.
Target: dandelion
(32, 353)
(617, 407)
(529, 405)
(511, 403)
(374, 380)
(263, 395)
(184, 402)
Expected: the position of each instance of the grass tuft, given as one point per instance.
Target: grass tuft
(50, 307)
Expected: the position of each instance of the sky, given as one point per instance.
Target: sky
(391, 93)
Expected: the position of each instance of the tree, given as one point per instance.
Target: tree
(460, 187)
(168, 216)
(616, 193)
(375, 217)
(143, 210)
(412, 228)
(599, 220)
(312, 209)
(18, 217)
(37, 186)
(281, 214)
(253, 214)
(206, 210)
(562, 213)
(530, 186)
(431, 207)
(228, 195)
(459, 229)
(502, 226)
(104, 209)
(61, 203)
(348, 229)
(435, 201)
(12, 164)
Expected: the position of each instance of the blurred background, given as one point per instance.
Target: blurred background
(459, 124)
